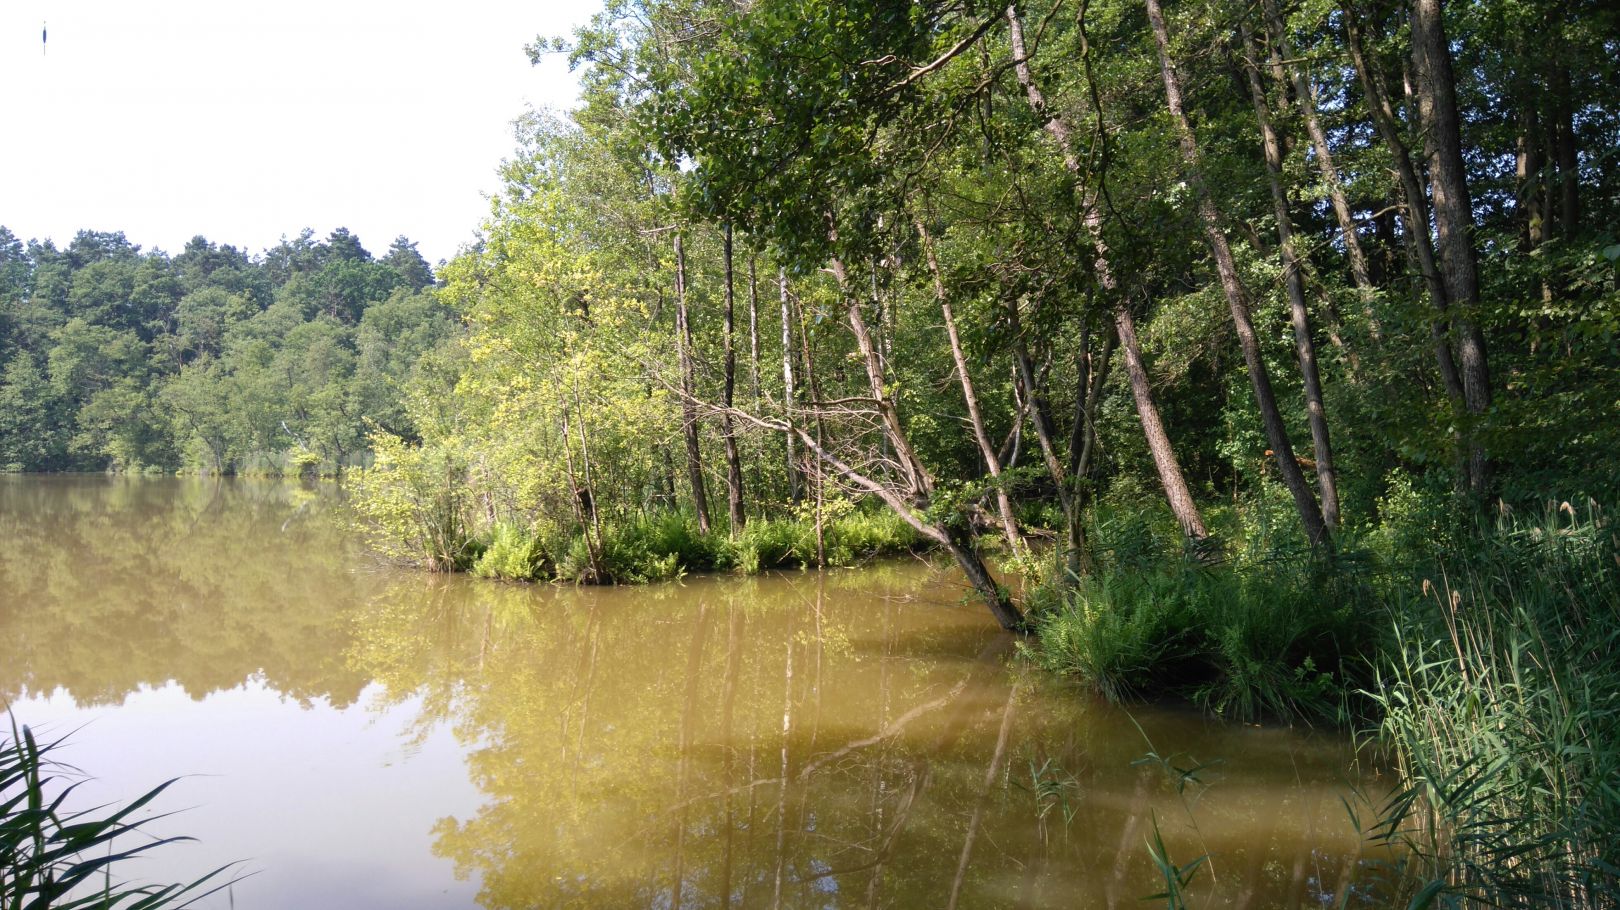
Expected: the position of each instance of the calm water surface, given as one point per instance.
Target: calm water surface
(365, 736)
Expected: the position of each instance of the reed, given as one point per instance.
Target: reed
(54, 857)
(1500, 704)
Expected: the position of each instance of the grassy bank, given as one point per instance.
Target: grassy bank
(1477, 655)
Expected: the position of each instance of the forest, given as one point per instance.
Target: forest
(209, 360)
(1262, 356)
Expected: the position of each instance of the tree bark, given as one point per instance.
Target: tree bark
(1310, 514)
(920, 482)
(1527, 171)
(809, 364)
(788, 391)
(1419, 244)
(1164, 459)
(1164, 456)
(753, 329)
(1070, 496)
(1305, 91)
(1009, 524)
(1294, 279)
(1567, 151)
(728, 432)
(689, 418)
(957, 542)
(1091, 378)
(1453, 214)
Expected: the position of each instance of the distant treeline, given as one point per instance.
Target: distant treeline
(112, 358)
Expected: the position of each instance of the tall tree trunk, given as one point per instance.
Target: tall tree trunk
(788, 391)
(728, 431)
(580, 497)
(1294, 279)
(1310, 514)
(1453, 214)
(1009, 524)
(753, 329)
(808, 362)
(1567, 151)
(1164, 459)
(1419, 245)
(1164, 456)
(1305, 92)
(1091, 374)
(585, 459)
(1527, 171)
(689, 417)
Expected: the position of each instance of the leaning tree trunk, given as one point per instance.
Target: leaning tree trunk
(957, 542)
(689, 418)
(1070, 494)
(918, 480)
(1294, 278)
(1310, 514)
(1305, 92)
(728, 431)
(1009, 524)
(1164, 460)
(1164, 456)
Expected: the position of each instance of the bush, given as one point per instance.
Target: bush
(1114, 631)
(773, 544)
(512, 553)
(415, 501)
(866, 533)
(1267, 633)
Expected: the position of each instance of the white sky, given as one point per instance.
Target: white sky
(243, 122)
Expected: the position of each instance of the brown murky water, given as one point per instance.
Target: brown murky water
(364, 736)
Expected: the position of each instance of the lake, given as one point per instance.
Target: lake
(362, 735)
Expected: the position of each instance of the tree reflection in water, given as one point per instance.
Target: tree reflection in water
(850, 739)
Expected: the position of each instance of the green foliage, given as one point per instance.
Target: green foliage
(771, 544)
(512, 553)
(866, 533)
(209, 361)
(415, 501)
(1263, 633)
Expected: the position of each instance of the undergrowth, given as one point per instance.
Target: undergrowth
(1478, 659)
(644, 549)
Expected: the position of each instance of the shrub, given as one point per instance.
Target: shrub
(513, 553)
(415, 500)
(1113, 631)
(867, 533)
(772, 544)
(1267, 633)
